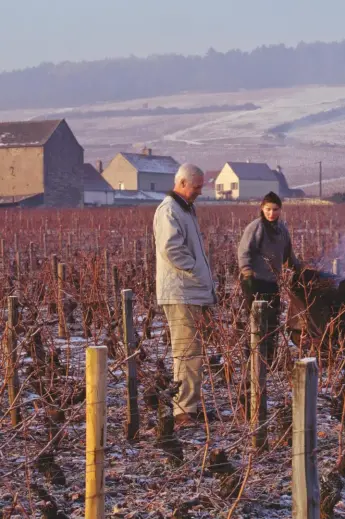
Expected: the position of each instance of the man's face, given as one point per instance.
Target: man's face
(192, 189)
(271, 212)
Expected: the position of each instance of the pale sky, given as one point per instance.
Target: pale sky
(36, 31)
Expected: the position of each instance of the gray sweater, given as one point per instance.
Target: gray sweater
(265, 251)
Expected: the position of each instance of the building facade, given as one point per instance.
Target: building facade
(41, 157)
(97, 191)
(244, 181)
(141, 172)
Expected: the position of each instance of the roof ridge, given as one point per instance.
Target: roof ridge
(32, 121)
(28, 133)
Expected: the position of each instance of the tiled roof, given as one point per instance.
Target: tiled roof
(26, 133)
(252, 171)
(210, 177)
(152, 163)
(93, 180)
(21, 198)
(129, 194)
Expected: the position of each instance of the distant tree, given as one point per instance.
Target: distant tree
(73, 84)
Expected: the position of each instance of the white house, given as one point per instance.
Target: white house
(245, 180)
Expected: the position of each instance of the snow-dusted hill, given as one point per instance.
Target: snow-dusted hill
(295, 127)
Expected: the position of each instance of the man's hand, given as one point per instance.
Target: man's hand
(247, 273)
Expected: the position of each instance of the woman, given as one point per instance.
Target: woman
(264, 247)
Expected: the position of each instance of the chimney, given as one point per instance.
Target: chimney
(147, 151)
(99, 166)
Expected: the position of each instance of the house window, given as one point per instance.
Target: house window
(234, 185)
(219, 188)
(121, 186)
(153, 186)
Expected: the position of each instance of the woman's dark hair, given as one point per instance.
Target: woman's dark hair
(271, 198)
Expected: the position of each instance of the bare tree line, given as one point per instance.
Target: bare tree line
(73, 84)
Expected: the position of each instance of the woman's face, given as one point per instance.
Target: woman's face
(271, 211)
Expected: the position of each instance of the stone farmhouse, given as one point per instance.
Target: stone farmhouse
(141, 172)
(41, 161)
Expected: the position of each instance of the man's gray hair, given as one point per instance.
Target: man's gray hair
(188, 172)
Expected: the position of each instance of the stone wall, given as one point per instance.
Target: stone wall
(63, 177)
(21, 171)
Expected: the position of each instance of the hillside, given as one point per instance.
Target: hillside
(72, 84)
(208, 129)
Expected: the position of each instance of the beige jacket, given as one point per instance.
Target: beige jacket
(183, 273)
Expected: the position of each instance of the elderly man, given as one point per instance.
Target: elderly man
(184, 285)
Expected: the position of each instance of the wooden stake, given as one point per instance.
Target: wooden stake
(132, 388)
(303, 246)
(96, 430)
(54, 266)
(335, 267)
(305, 480)
(12, 373)
(116, 291)
(106, 272)
(60, 240)
(258, 408)
(3, 254)
(31, 256)
(62, 330)
(45, 245)
(17, 256)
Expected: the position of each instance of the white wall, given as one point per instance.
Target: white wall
(226, 177)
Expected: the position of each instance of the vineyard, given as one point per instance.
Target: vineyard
(62, 277)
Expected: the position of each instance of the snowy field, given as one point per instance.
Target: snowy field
(294, 127)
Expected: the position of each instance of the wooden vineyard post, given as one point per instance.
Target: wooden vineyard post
(17, 256)
(44, 238)
(12, 373)
(305, 480)
(106, 273)
(53, 292)
(96, 430)
(62, 331)
(132, 388)
(147, 280)
(15, 243)
(303, 246)
(96, 243)
(335, 267)
(116, 291)
(3, 255)
(69, 246)
(60, 240)
(319, 240)
(31, 256)
(54, 266)
(258, 407)
(136, 249)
